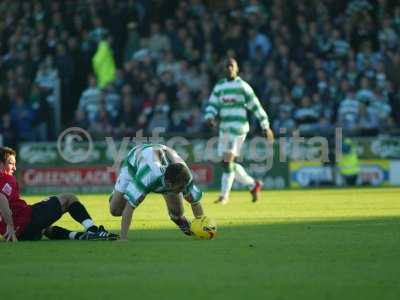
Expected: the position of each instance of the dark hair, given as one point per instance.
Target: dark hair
(5, 152)
(177, 173)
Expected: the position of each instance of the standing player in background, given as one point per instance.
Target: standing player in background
(154, 168)
(20, 221)
(229, 102)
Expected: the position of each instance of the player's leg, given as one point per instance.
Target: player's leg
(59, 233)
(228, 176)
(44, 214)
(175, 210)
(124, 199)
(244, 178)
(70, 203)
(229, 147)
(117, 200)
(117, 203)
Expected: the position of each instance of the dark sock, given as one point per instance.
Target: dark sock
(181, 222)
(57, 233)
(93, 228)
(78, 212)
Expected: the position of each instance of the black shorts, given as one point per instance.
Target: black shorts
(44, 214)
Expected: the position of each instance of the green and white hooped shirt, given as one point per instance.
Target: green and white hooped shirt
(230, 100)
(146, 165)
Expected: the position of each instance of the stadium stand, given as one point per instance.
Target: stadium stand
(314, 64)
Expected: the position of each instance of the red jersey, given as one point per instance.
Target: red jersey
(21, 212)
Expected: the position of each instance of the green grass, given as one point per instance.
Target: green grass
(329, 244)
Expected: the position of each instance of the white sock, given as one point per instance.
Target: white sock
(242, 176)
(226, 183)
(87, 223)
(72, 235)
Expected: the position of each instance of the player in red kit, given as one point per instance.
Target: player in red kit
(21, 221)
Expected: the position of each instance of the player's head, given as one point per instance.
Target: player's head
(7, 160)
(177, 177)
(231, 68)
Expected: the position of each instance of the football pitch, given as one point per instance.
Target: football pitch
(312, 244)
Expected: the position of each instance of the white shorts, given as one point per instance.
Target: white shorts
(125, 186)
(228, 143)
(123, 180)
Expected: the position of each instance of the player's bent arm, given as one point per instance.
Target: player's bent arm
(6, 215)
(254, 105)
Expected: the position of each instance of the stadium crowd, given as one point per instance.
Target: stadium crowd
(314, 64)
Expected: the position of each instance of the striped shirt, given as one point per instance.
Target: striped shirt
(146, 165)
(230, 101)
(90, 102)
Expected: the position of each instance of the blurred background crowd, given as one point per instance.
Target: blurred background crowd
(314, 64)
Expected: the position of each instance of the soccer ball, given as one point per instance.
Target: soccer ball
(204, 228)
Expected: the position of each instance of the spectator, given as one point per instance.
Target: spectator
(160, 113)
(41, 114)
(132, 43)
(284, 124)
(47, 75)
(387, 35)
(98, 31)
(7, 131)
(365, 94)
(368, 122)
(80, 119)
(5, 101)
(22, 116)
(102, 126)
(129, 112)
(348, 113)
(306, 116)
(112, 102)
(144, 52)
(90, 99)
(299, 89)
(380, 106)
(168, 64)
(158, 41)
(309, 49)
(340, 45)
(180, 117)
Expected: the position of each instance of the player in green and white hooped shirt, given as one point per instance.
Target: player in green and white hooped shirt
(230, 101)
(154, 168)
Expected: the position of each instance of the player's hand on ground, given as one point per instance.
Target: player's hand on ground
(9, 235)
(269, 134)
